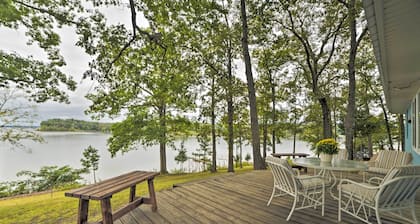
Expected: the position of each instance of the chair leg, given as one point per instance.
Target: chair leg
(272, 195)
(339, 204)
(378, 218)
(323, 200)
(413, 212)
(293, 207)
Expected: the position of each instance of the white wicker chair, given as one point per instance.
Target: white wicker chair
(309, 191)
(394, 194)
(341, 155)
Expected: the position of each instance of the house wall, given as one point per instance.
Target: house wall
(409, 137)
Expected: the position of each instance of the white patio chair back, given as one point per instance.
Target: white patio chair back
(342, 155)
(399, 186)
(283, 175)
(308, 190)
(395, 193)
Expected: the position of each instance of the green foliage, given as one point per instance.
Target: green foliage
(73, 125)
(90, 160)
(203, 153)
(182, 154)
(327, 146)
(48, 178)
(40, 19)
(247, 157)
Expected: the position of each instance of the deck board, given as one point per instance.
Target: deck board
(234, 198)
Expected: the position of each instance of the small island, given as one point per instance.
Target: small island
(73, 125)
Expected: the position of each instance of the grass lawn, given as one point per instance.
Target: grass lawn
(59, 209)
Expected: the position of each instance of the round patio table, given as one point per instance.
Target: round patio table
(327, 168)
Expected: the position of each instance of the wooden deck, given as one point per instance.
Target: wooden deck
(232, 198)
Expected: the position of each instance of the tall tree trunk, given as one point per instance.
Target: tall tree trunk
(162, 141)
(258, 161)
(94, 176)
(383, 107)
(213, 126)
(370, 145)
(402, 131)
(230, 109)
(294, 135)
(388, 126)
(265, 136)
(240, 150)
(326, 118)
(349, 121)
(273, 112)
(370, 142)
(229, 98)
(351, 104)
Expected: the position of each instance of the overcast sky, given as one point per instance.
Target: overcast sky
(77, 63)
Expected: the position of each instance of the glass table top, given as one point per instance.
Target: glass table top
(338, 165)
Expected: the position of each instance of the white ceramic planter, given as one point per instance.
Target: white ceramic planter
(325, 157)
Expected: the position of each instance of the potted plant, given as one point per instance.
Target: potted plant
(326, 148)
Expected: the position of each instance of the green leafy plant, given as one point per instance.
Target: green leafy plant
(90, 160)
(327, 146)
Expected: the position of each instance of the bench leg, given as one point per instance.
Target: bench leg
(106, 211)
(83, 211)
(152, 194)
(132, 194)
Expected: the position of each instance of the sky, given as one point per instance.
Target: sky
(77, 63)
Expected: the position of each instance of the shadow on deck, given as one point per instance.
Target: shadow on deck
(233, 198)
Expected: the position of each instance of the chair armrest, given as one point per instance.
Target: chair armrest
(375, 180)
(343, 181)
(308, 177)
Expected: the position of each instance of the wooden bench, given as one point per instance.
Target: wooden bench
(104, 190)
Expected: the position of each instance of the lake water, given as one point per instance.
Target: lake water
(65, 148)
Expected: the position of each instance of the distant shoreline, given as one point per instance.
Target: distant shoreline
(73, 125)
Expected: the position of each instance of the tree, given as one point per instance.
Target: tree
(247, 157)
(90, 160)
(149, 82)
(202, 153)
(258, 161)
(14, 116)
(353, 13)
(182, 156)
(213, 36)
(315, 27)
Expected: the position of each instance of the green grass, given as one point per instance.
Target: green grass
(59, 209)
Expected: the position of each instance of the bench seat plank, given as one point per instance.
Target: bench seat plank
(107, 188)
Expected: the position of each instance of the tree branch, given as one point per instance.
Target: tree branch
(302, 40)
(360, 38)
(49, 12)
(155, 38)
(333, 45)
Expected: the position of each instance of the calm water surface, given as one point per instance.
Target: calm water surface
(65, 148)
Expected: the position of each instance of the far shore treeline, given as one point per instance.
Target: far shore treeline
(73, 125)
